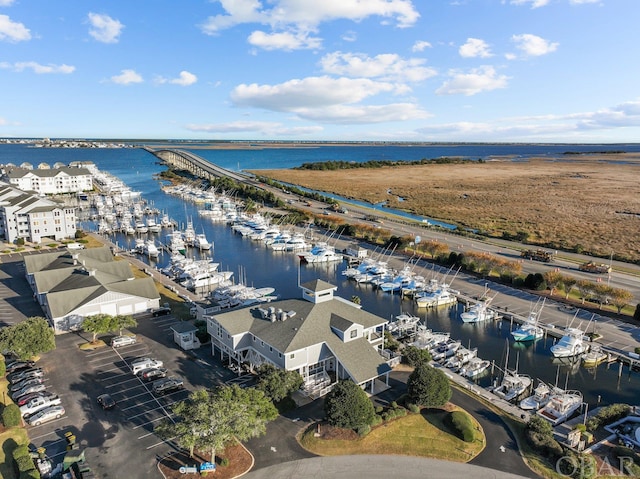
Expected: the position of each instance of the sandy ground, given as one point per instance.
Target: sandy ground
(588, 202)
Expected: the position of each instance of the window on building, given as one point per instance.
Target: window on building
(293, 355)
(354, 334)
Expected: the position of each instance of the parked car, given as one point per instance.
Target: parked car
(106, 401)
(160, 312)
(34, 388)
(167, 385)
(123, 341)
(45, 415)
(152, 374)
(25, 374)
(17, 365)
(22, 400)
(39, 402)
(25, 383)
(145, 363)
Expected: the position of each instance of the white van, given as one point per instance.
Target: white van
(75, 246)
(145, 363)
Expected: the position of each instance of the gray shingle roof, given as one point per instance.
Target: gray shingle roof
(311, 325)
(18, 172)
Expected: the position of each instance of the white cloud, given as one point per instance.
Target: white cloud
(326, 99)
(38, 68)
(582, 2)
(533, 45)
(534, 3)
(262, 127)
(386, 66)
(349, 36)
(304, 17)
(5, 3)
(185, 79)
(363, 114)
(310, 92)
(104, 28)
(476, 81)
(127, 77)
(13, 31)
(286, 41)
(475, 47)
(623, 115)
(420, 45)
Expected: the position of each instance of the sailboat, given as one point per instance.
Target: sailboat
(529, 329)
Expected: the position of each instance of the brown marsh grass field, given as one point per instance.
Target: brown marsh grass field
(588, 203)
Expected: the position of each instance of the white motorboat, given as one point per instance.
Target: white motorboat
(561, 406)
(460, 358)
(153, 226)
(201, 242)
(474, 368)
(141, 227)
(571, 344)
(445, 350)
(402, 323)
(150, 249)
(540, 397)
(442, 295)
(529, 329)
(321, 254)
(478, 312)
(512, 386)
(189, 234)
(594, 356)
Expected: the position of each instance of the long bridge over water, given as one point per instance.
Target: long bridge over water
(185, 160)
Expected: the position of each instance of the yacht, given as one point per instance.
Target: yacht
(571, 344)
(513, 385)
(189, 234)
(474, 368)
(460, 358)
(403, 322)
(540, 397)
(201, 242)
(321, 254)
(141, 227)
(440, 296)
(529, 329)
(478, 312)
(150, 249)
(445, 350)
(153, 226)
(561, 406)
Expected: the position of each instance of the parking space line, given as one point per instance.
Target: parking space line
(119, 383)
(31, 428)
(161, 443)
(149, 422)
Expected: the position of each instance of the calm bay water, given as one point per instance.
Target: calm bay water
(261, 266)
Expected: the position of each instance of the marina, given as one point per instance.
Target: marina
(265, 267)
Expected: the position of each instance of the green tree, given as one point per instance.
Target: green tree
(553, 280)
(585, 287)
(121, 322)
(348, 406)
(28, 338)
(278, 383)
(568, 282)
(98, 324)
(428, 386)
(620, 298)
(211, 419)
(414, 355)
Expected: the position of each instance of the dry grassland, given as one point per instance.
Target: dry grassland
(587, 200)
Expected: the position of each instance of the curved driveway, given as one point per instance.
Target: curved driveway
(278, 454)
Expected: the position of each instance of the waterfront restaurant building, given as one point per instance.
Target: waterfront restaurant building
(324, 337)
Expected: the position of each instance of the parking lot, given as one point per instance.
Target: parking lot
(119, 442)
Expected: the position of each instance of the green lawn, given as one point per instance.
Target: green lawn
(422, 434)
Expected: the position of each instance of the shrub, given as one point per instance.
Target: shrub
(348, 406)
(24, 463)
(607, 415)
(363, 430)
(224, 462)
(413, 356)
(462, 425)
(377, 420)
(629, 459)
(414, 408)
(11, 415)
(3, 368)
(21, 450)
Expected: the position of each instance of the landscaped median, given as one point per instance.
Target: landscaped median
(427, 433)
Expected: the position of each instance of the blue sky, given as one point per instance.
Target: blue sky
(356, 70)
